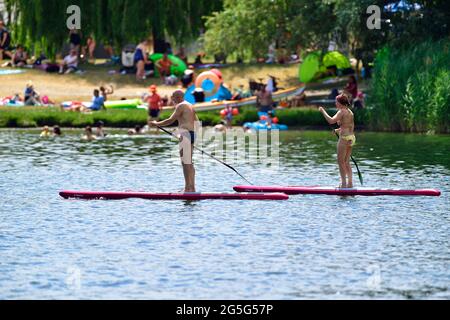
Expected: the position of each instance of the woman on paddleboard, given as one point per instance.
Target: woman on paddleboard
(344, 117)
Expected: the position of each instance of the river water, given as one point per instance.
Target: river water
(309, 247)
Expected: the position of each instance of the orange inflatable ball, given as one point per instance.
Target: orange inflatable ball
(275, 120)
(235, 112)
(223, 113)
(264, 118)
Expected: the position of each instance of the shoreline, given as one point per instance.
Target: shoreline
(291, 129)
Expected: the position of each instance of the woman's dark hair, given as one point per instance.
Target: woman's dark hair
(343, 99)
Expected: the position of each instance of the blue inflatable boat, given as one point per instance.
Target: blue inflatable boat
(263, 124)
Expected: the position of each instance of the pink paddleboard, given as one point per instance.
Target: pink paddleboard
(340, 192)
(107, 195)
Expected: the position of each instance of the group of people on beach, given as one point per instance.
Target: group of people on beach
(100, 96)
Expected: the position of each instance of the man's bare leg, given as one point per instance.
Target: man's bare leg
(189, 177)
(188, 171)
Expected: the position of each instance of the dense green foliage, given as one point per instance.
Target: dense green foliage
(251, 26)
(41, 24)
(27, 117)
(411, 88)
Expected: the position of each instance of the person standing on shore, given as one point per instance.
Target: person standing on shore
(185, 115)
(5, 41)
(264, 100)
(154, 104)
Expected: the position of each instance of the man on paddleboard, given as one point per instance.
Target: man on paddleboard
(185, 115)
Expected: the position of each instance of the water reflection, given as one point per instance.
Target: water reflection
(307, 247)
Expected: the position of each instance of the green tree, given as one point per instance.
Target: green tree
(41, 24)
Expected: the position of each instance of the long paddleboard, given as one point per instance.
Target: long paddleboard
(339, 191)
(107, 195)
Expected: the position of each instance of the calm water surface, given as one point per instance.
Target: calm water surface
(308, 247)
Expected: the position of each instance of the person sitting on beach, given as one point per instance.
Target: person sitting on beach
(89, 48)
(344, 117)
(199, 95)
(57, 131)
(31, 96)
(5, 41)
(47, 102)
(104, 92)
(188, 78)
(237, 94)
(75, 40)
(182, 55)
(88, 135)
(70, 63)
(45, 132)
(98, 102)
(164, 66)
(240, 93)
(352, 87)
(99, 131)
(198, 58)
(20, 57)
(16, 99)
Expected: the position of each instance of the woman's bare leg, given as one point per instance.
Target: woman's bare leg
(349, 167)
(341, 153)
(140, 70)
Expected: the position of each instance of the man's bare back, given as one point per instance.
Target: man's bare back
(186, 116)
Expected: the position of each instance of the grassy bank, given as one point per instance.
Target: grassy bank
(38, 117)
(411, 89)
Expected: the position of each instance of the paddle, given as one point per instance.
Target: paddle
(356, 165)
(209, 155)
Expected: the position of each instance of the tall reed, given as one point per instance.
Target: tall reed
(411, 88)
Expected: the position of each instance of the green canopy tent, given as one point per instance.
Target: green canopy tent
(313, 64)
(309, 67)
(335, 58)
